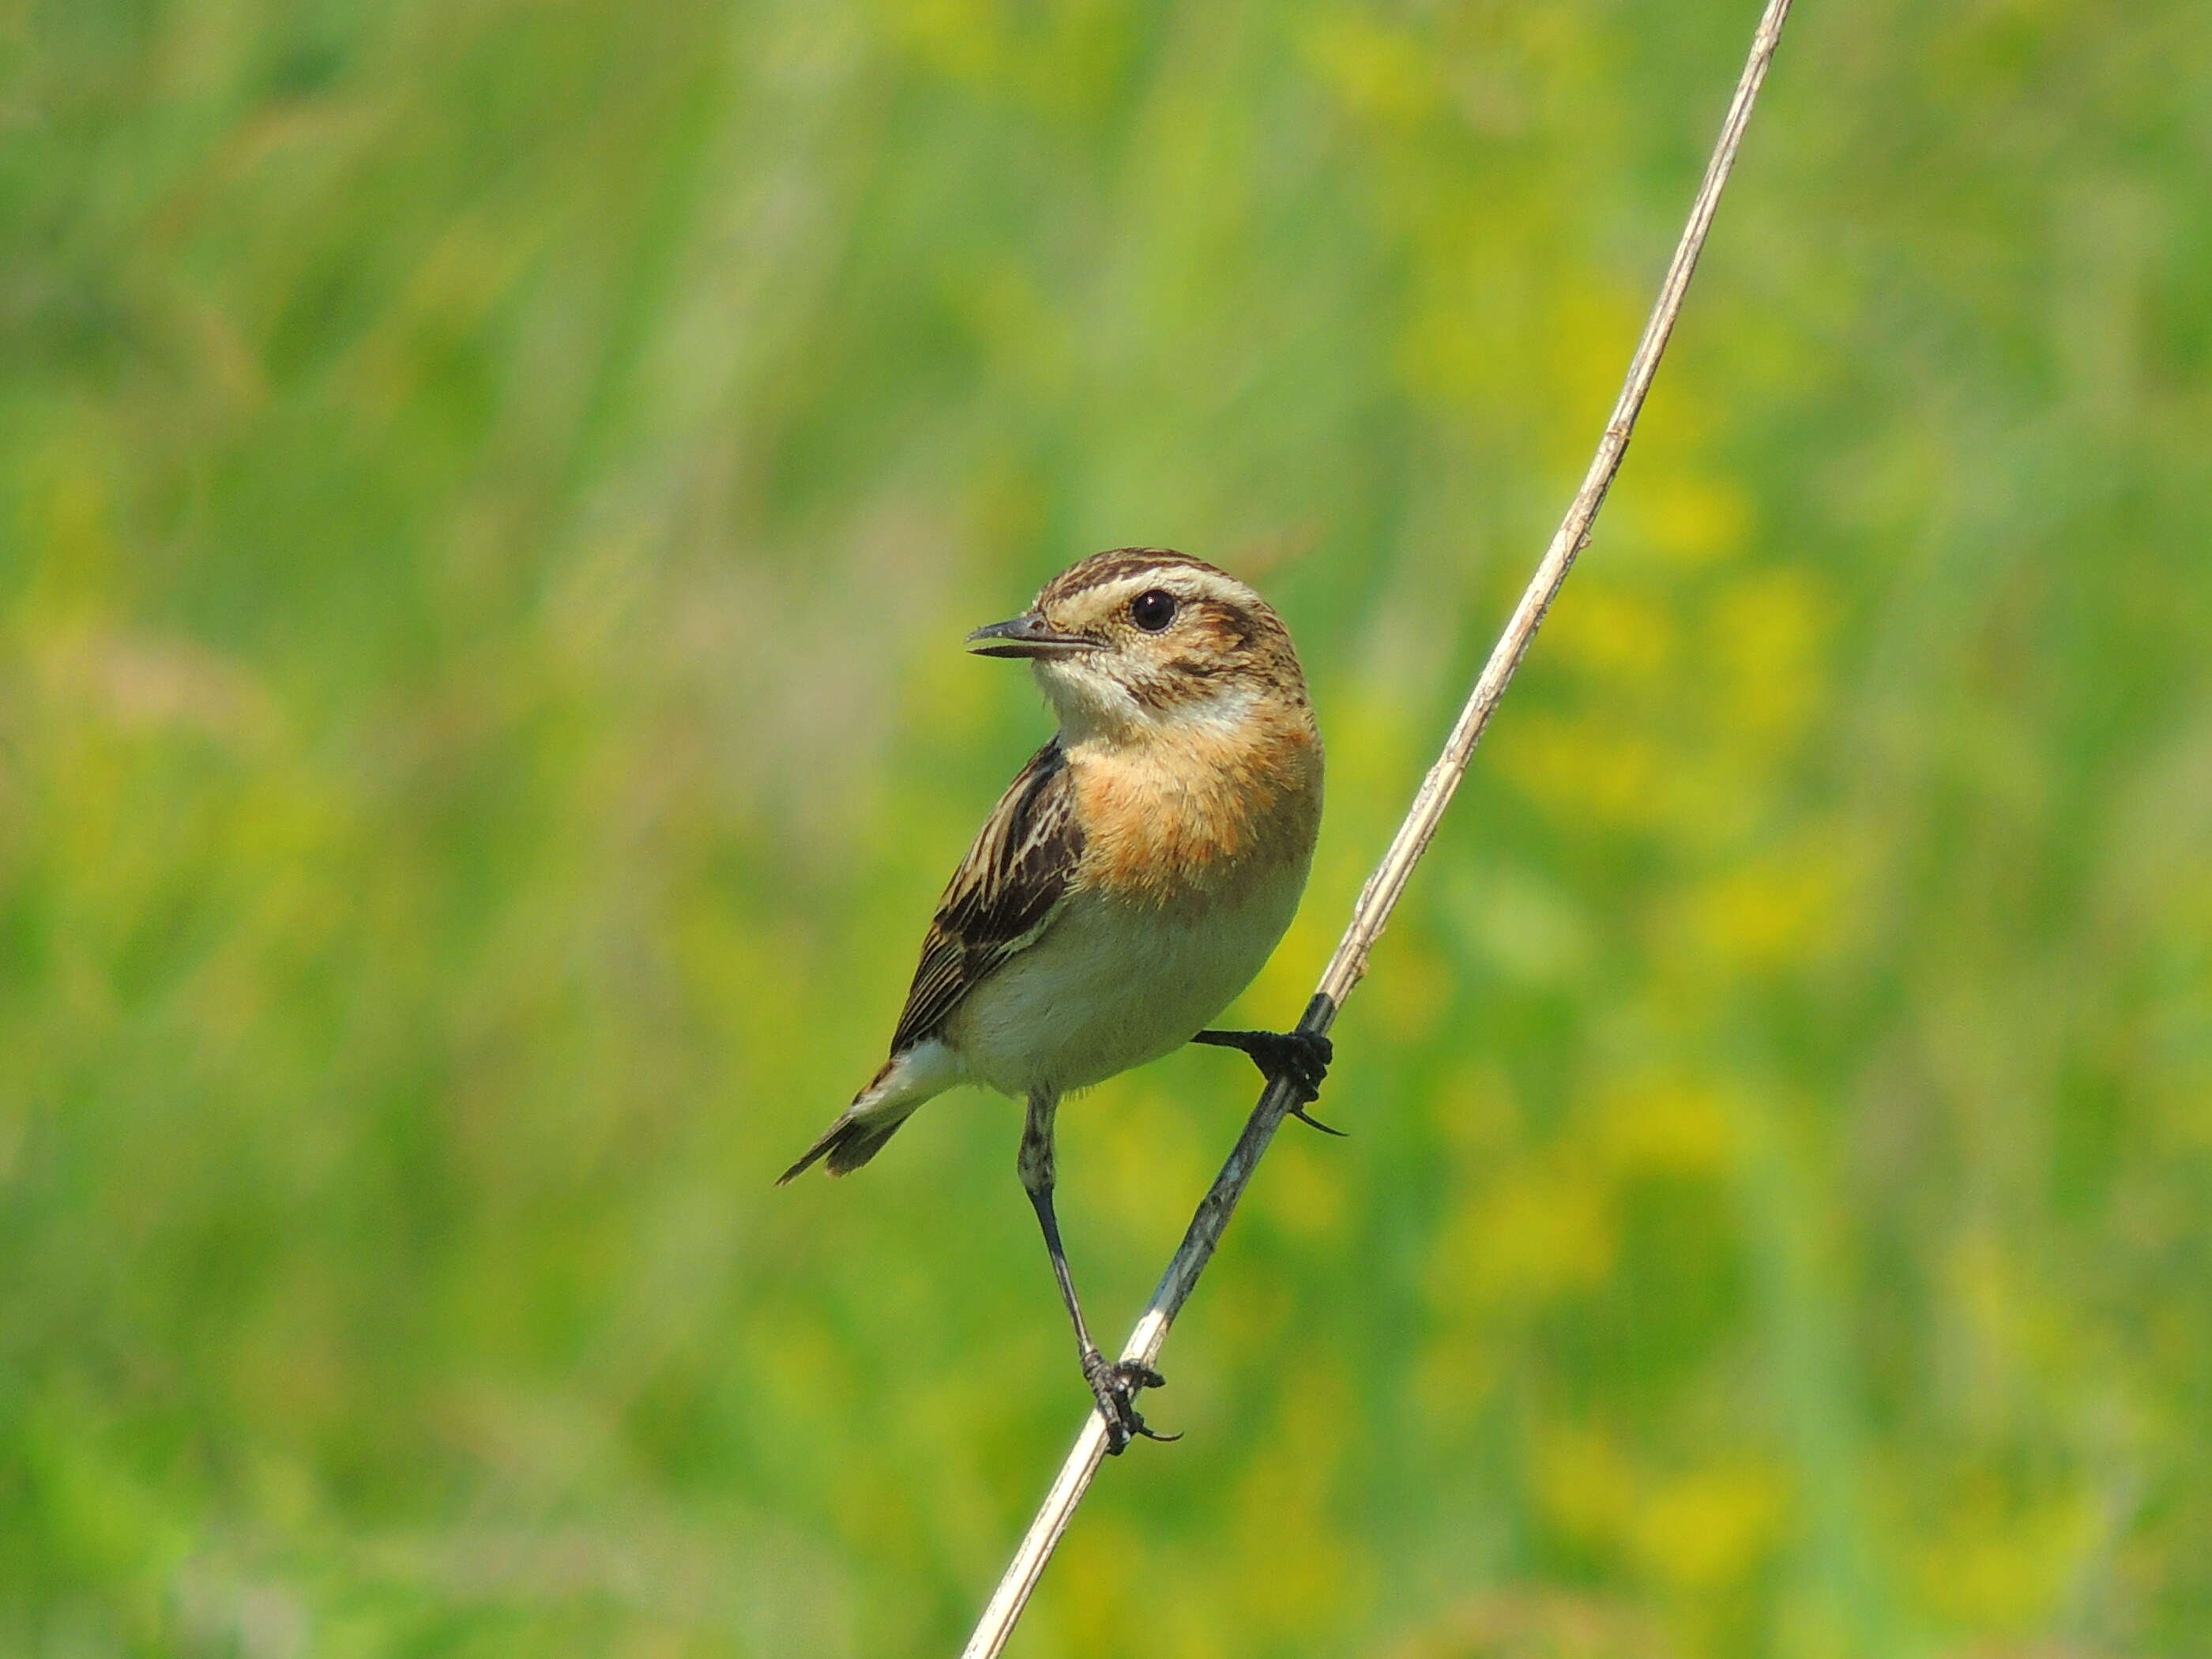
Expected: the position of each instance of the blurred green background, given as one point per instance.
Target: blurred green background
(490, 493)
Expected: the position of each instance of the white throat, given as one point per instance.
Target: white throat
(1089, 705)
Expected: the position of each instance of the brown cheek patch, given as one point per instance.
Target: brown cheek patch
(1213, 640)
(1199, 668)
(1227, 627)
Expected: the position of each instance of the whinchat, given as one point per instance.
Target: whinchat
(1130, 881)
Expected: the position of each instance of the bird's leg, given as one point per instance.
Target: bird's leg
(1114, 1384)
(1300, 1058)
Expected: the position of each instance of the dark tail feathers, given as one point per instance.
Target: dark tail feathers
(848, 1143)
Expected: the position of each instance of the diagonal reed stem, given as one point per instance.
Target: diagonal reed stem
(1383, 889)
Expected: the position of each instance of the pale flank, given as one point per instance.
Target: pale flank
(1113, 984)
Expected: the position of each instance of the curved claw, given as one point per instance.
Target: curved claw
(1313, 1123)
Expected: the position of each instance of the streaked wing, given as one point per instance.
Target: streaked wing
(1001, 896)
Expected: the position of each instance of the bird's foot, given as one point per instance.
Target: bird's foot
(1299, 1058)
(1114, 1384)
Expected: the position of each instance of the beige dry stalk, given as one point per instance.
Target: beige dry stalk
(1380, 896)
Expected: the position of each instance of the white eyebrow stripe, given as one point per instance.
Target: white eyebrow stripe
(1182, 581)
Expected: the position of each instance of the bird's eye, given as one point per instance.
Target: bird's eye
(1153, 610)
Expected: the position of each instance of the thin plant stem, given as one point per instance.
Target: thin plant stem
(1379, 897)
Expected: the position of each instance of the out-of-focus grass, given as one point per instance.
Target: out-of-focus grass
(489, 495)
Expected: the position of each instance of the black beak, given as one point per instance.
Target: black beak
(1027, 636)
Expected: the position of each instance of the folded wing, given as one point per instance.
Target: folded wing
(1002, 897)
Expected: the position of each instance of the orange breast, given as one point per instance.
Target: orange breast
(1191, 819)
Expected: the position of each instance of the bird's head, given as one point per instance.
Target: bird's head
(1144, 640)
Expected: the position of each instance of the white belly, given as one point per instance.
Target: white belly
(1111, 985)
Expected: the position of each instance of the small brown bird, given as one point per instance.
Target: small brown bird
(1129, 882)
